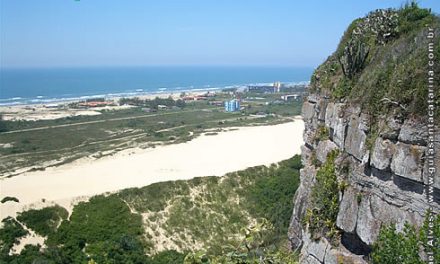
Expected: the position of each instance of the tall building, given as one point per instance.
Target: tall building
(276, 87)
(232, 105)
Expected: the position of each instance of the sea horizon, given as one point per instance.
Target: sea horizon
(20, 86)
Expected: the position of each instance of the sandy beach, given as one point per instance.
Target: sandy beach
(207, 155)
(59, 109)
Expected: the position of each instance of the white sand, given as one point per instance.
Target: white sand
(204, 156)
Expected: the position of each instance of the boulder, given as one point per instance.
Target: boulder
(306, 154)
(390, 127)
(382, 154)
(348, 211)
(315, 249)
(323, 149)
(341, 255)
(407, 161)
(301, 200)
(355, 139)
(413, 132)
(321, 108)
(364, 122)
(374, 211)
(308, 111)
(368, 226)
(334, 119)
(428, 164)
(313, 98)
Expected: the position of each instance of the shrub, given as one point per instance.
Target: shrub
(43, 221)
(324, 205)
(9, 234)
(9, 199)
(392, 246)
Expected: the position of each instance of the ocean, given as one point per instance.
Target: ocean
(45, 85)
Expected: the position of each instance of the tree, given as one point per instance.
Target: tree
(3, 127)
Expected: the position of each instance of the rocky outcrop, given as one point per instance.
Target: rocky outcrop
(407, 161)
(385, 180)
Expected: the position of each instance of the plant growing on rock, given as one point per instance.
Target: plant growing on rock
(324, 206)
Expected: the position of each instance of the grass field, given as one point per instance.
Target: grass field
(35, 145)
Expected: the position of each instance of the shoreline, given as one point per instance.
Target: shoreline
(141, 93)
(40, 111)
(207, 155)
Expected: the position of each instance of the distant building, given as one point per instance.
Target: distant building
(232, 105)
(290, 97)
(161, 107)
(277, 87)
(51, 106)
(274, 88)
(260, 88)
(216, 103)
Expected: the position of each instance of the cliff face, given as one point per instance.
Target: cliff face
(380, 141)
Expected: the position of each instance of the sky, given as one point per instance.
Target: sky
(60, 33)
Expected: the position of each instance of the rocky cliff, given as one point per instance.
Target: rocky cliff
(366, 112)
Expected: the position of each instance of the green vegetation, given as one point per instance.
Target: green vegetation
(322, 133)
(153, 104)
(218, 214)
(251, 250)
(220, 206)
(324, 205)
(44, 221)
(270, 197)
(381, 62)
(9, 199)
(3, 127)
(102, 229)
(10, 232)
(394, 247)
(168, 257)
(54, 142)
(404, 247)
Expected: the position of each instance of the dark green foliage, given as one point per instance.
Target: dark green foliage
(412, 17)
(383, 62)
(324, 205)
(153, 104)
(9, 199)
(3, 127)
(404, 247)
(168, 257)
(343, 88)
(271, 196)
(354, 58)
(223, 207)
(206, 210)
(43, 221)
(100, 219)
(155, 196)
(126, 249)
(30, 255)
(9, 235)
(105, 228)
(431, 241)
(393, 247)
(251, 250)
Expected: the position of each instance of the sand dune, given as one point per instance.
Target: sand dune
(204, 156)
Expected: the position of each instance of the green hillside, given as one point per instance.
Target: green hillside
(382, 62)
(208, 216)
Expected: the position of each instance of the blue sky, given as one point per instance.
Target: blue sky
(51, 33)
